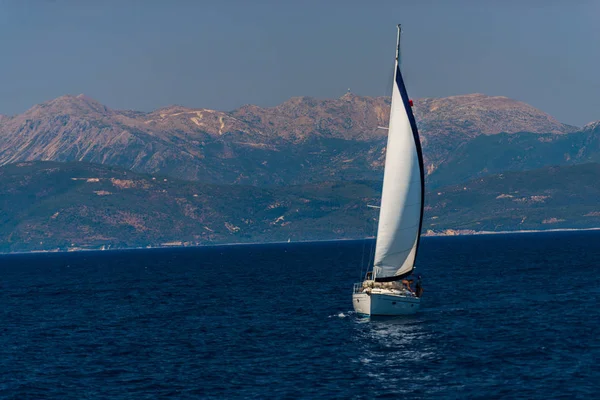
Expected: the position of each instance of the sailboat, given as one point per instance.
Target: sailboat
(385, 289)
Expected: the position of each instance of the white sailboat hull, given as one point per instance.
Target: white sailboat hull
(385, 304)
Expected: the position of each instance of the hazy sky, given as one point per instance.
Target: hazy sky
(145, 54)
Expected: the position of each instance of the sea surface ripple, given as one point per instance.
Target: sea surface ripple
(503, 316)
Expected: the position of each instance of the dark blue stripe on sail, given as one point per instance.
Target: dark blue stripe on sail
(415, 132)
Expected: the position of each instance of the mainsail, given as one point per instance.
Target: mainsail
(401, 213)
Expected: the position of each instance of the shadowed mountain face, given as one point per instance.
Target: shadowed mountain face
(302, 140)
(50, 205)
(485, 155)
(546, 198)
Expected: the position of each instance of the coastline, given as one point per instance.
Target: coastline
(429, 234)
(467, 232)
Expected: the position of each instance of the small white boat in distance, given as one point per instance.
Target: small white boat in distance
(385, 290)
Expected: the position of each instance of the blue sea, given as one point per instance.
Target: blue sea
(502, 316)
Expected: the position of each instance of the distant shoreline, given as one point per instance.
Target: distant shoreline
(466, 232)
(445, 233)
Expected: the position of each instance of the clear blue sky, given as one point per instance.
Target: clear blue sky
(145, 54)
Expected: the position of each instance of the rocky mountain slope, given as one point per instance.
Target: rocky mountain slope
(302, 140)
(50, 206)
(477, 114)
(592, 127)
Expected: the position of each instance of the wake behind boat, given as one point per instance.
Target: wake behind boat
(385, 290)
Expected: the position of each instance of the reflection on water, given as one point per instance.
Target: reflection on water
(395, 352)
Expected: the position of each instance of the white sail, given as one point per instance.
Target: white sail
(401, 210)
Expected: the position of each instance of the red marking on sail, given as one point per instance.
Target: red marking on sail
(410, 103)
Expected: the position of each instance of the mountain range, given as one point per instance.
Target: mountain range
(76, 173)
(300, 141)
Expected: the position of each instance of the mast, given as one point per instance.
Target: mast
(398, 48)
